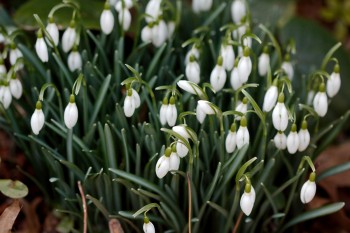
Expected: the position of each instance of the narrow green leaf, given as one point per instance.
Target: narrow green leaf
(99, 206)
(243, 168)
(155, 61)
(146, 208)
(218, 208)
(215, 14)
(333, 171)
(255, 106)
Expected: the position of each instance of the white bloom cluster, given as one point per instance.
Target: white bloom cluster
(168, 112)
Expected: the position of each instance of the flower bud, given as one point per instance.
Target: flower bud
(52, 30)
(270, 98)
(308, 190)
(242, 134)
(280, 114)
(231, 141)
(218, 76)
(293, 140)
(153, 10)
(334, 82)
(189, 87)
(159, 33)
(247, 199)
(320, 102)
(124, 18)
(69, 37)
(15, 54)
(304, 137)
(206, 107)
(280, 140)
(182, 131)
(38, 119)
(136, 98)
(146, 34)
(163, 164)
(71, 113)
(16, 88)
(174, 160)
(107, 20)
(244, 66)
(287, 67)
(171, 112)
(200, 114)
(228, 56)
(129, 104)
(264, 63)
(148, 226)
(163, 110)
(193, 71)
(242, 107)
(6, 97)
(74, 60)
(41, 49)
(235, 80)
(181, 149)
(238, 11)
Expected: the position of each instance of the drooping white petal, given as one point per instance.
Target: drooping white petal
(244, 68)
(280, 141)
(136, 98)
(16, 88)
(200, 114)
(218, 78)
(230, 142)
(153, 10)
(71, 115)
(74, 61)
(205, 5)
(148, 228)
(182, 131)
(159, 33)
(124, 18)
(190, 87)
(192, 52)
(52, 30)
(193, 72)
(333, 84)
(41, 49)
(241, 107)
(264, 64)
(308, 191)
(119, 5)
(162, 114)
(174, 161)
(14, 55)
(247, 201)
(304, 139)
(129, 106)
(146, 34)
(68, 39)
(242, 137)
(280, 117)
(107, 21)
(292, 142)
(171, 114)
(206, 107)
(288, 68)
(37, 121)
(320, 103)
(6, 97)
(162, 166)
(238, 11)
(228, 56)
(181, 149)
(235, 80)
(270, 98)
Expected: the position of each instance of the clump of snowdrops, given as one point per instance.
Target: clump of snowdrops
(173, 118)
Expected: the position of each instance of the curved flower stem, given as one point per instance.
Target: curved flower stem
(237, 223)
(189, 203)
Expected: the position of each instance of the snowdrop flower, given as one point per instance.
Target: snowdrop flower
(15, 54)
(201, 5)
(159, 33)
(230, 142)
(193, 70)
(334, 82)
(293, 140)
(228, 56)
(207, 107)
(280, 140)
(148, 226)
(129, 104)
(163, 110)
(218, 76)
(38, 119)
(136, 98)
(171, 29)
(41, 47)
(194, 51)
(69, 37)
(74, 60)
(182, 131)
(146, 33)
(16, 87)
(171, 112)
(270, 97)
(304, 137)
(6, 97)
(153, 10)
(242, 134)
(287, 67)
(123, 4)
(200, 114)
(264, 62)
(181, 149)
(174, 160)
(308, 190)
(242, 107)
(244, 66)
(247, 199)
(71, 113)
(280, 114)
(52, 30)
(238, 11)
(107, 19)
(190, 87)
(163, 164)
(234, 79)
(310, 97)
(320, 102)
(124, 18)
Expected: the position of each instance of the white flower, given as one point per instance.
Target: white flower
(174, 161)
(181, 149)
(218, 76)
(52, 30)
(238, 11)
(280, 140)
(182, 131)
(124, 18)
(230, 142)
(304, 137)
(242, 134)
(293, 140)
(163, 164)
(239, 32)
(119, 5)
(171, 28)
(206, 107)
(15, 54)
(310, 97)
(38, 119)
(107, 19)
(129, 104)
(171, 112)
(71, 113)
(146, 34)
(6, 97)
(162, 111)
(200, 114)
(242, 107)
(192, 52)
(280, 114)
(148, 226)
(205, 5)
(235, 80)
(308, 190)
(41, 49)
(153, 10)
(190, 87)
(159, 33)
(264, 64)
(16, 88)
(74, 60)
(228, 56)
(334, 82)
(288, 68)
(244, 66)
(247, 200)
(69, 37)
(320, 102)
(136, 98)
(193, 71)
(270, 98)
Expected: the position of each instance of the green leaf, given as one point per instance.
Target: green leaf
(215, 14)
(155, 61)
(99, 206)
(13, 189)
(243, 168)
(333, 171)
(146, 208)
(315, 213)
